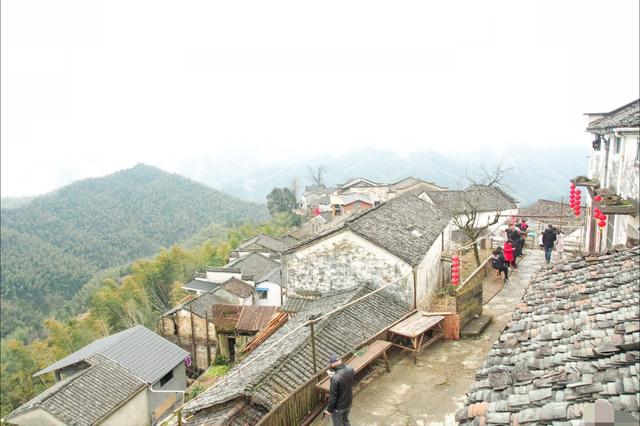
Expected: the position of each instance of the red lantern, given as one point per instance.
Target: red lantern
(602, 224)
(578, 191)
(576, 213)
(597, 198)
(571, 205)
(573, 191)
(603, 216)
(596, 210)
(572, 186)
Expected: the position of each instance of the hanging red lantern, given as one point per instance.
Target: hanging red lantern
(571, 205)
(602, 224)
(596, 210)
(578, 192)
(573, 191)
(576, 213)
(572, 186)
(603, 216)
(597, 198)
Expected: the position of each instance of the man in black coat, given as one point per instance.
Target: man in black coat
(548, 239)
(340, 392)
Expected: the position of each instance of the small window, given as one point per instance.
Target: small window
(262, 295)
(618, 145)
(166, 378)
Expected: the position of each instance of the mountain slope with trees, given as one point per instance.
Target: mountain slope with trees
(55, 243)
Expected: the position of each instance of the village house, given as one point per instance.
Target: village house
(478, 204)
(381, 192)
(574, 339)
(236, 325)
(614, 175)
(264, 244)
(544, 212)
(276, 368)
(134, 377)
(268, 290)
(190, 325)
(403, 238)
(312, 194)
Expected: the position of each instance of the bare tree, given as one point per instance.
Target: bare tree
(468, 212)
(316, 175)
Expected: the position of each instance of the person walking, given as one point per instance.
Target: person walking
(548, 240)
(508, 253)
(560, 245)
(340, 392)
(500, 264)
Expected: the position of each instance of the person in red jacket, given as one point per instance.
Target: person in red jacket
(509, 256)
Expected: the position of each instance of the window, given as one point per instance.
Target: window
(618, 145)
(262, 293)
(166, 378)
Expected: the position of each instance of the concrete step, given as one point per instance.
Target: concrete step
(475, 327)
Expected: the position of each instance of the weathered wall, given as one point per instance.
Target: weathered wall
(342, 261)
(37, 417)
(183, 322)
(469, 301)
(430, 273)
(134, 412)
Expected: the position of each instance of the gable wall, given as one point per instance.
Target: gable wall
(343, 261)
(37, 417)
(135, 412)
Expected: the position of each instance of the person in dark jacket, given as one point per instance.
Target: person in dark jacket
(500, 264)
(548, 239)
(340, 392)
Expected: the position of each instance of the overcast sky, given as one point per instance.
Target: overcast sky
(91, 87)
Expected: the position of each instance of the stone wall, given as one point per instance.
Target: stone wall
(343, 261)
(177, 328)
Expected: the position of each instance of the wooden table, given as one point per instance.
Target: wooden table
(415, 327)
(363, 357)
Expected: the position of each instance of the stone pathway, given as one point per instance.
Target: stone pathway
(430, 392)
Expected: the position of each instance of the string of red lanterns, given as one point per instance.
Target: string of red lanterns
(575, 200)
(597, 213)
(455, 270)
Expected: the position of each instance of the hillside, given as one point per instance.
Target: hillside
(55, 243)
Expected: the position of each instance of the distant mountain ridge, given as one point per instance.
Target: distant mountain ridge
(537, 172)
(103, 222)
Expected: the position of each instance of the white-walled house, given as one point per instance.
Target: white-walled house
(402, 238)
(269, 289)
(483, 202)
(614, 166)
(134, 377)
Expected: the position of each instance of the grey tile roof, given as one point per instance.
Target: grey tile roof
(200, 305)
(294, 304)
(405, 226)
(264, 240)
(138, 349)
(574, 338)
(274, 276)
(254, 264)
(285, 365)
(238, 287)
(201, 285)
(352, 198)
(89, 395)
(486, 199)
(624, 117)
(552, 208)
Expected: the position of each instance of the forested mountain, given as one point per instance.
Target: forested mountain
(55, 243)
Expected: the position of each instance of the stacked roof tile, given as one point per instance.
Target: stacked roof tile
(483, 198)
(254, 265)
(276, 368)
(575, 338)
(627, 116)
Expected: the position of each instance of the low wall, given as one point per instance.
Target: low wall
(469, 294)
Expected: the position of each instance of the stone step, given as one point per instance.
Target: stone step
(475, 327)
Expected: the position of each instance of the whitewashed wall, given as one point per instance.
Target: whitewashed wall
(273, 294)
(344, 260)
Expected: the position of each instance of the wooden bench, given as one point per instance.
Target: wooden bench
(361, 359)
(415, 327)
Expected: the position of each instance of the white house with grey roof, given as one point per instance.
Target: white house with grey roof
(134, 377)
(403, 238)
(614, 171)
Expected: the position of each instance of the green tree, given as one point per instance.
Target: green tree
(281, 200)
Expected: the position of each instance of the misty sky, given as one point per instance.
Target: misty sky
(91, 87)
